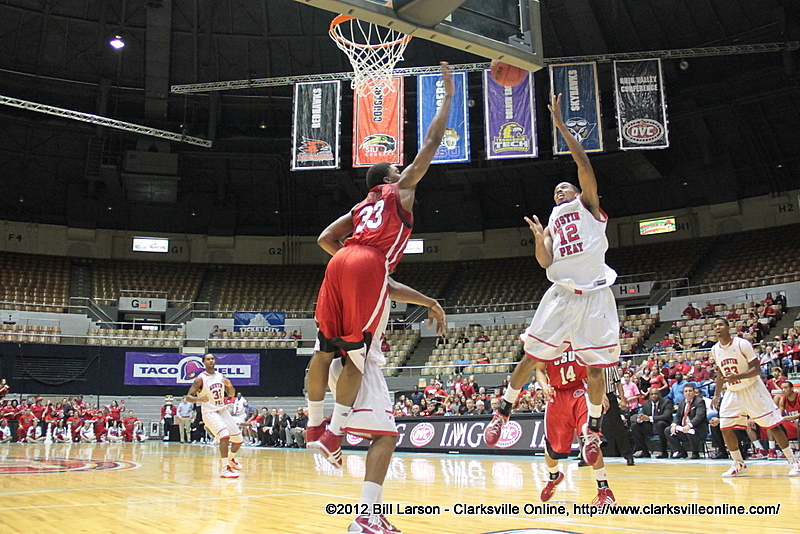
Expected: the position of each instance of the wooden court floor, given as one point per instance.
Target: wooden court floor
(163, 488)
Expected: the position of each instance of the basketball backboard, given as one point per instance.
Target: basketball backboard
(505, 30)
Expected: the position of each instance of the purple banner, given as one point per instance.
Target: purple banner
(171, 369)
(510, 119)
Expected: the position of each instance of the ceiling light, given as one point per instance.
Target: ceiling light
(116, 43)
(683, 65)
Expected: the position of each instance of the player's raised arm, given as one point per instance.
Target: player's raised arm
(414, 172)
(403, 293)
(330, 238)
(586, 175)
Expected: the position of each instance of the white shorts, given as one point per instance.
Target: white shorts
(587, 322)
(753, 401)
(220, 423)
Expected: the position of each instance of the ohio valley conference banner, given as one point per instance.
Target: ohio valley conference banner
(455, 142)
(315, 132)
(175, 369)
(378, 126)
(509, 118)
(580, 105)
(641, 106)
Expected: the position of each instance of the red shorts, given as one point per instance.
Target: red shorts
(790, 427)
(566, 414)
(353, 295)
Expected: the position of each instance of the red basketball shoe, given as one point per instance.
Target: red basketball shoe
(330, 446)
(550, 487)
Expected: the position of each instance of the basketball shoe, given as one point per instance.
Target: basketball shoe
(591, 446)
(492, 433)
(330, 446)
(604, 497)
(369, 524)
(794, 469)
(388, 526)
(233, 463)
(737, 469)
(313, 433)
(759, 454)
(227, 472)
(772, 455)
(550, 487)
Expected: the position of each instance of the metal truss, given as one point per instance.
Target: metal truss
(102, 121)
(677, 53)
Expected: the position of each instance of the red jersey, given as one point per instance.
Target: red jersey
(26, 421)
(791, 407)
(38, 410)
(129, 421)
(75, 422)
(381, 222)
(115, 411)
(565, 372)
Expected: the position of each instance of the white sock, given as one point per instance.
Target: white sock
(600, 474)
(552, 470)
(340, 413)
(511, 394)
(370, 493)
(231, 455)
(736, 456)
(771, 444)
(224, 462)
(789, 454)
(316, 412)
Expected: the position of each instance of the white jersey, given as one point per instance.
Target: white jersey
(579, 248)
(734, 359)
(214, 386)
(5, 432)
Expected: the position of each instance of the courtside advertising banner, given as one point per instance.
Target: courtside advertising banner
(315, 132)
(641, 105)
(580, 105)
(430, 91)
(378, 126)
(510, 119)
(259, 321)
(171, 369)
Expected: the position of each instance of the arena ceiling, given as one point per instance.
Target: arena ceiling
(733, 118)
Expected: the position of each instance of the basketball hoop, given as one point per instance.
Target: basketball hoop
(373, 52)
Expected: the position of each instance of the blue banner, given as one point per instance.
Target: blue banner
(580, 105)
(455, 143)
(259, 321)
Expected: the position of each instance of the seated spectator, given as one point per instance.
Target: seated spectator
(139, 434)
(480, 407)
(462, 339)
(789, 403)
(780, 300)
(5, 432)
(669, 371)
(732, 316)
(768, 301)
(461, 363)
(482, 337)
(441, 342)
(430, 389)
(385, 346)
(709, 309)
(115, 433)
(4, 389)
(483, 359)
(538, 405)
(61, 434)
(690, 312)
(296, 335)
(676, 389)
(774, 383)
(690, 426)
(470, 408)
(703, 343)
(424, 410)
(75, 424)
(682, 365)
(654, 419)
(416, 395)
(298, 429)
(215, 332)
(87, 432)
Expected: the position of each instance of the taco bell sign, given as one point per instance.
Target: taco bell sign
(171, 369)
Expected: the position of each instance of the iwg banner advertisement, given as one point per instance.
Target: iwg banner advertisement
(509, 118)
(171, 369)
(580, 105)
(378, 126)
(430, 91)
(259, 321)
(315, 132)
(524, 433)
(641, 105)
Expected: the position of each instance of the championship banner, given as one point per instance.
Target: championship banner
(378, 126)
(315, 131)
(580, 105)
(641, 105)
(430, 91)
(259, 321)
(509, 119)
(171, 369)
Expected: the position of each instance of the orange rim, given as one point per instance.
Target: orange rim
(344, 18)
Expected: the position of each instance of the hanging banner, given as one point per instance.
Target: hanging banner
(378, 126)
(455, 143)
(641, 106)
(259, 321)
(315, 132)
(509, 119)
(580, 105)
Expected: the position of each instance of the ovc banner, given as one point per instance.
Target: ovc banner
(641, 106)
(171, 369)
(430, 91)
(580, 105)
(315, 132)
(378, 126)
(510, 119)
(259, 321)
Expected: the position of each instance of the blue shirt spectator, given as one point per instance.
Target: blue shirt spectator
(676, 390)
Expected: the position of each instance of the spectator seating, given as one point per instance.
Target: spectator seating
(658, 261)
(30, 334)
(401, 345)
(179, 281)
(251, 340)
(503, 349)
(121, 337)
(34, 282)
(643, 325)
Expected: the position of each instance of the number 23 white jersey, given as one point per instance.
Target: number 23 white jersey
(734, 359)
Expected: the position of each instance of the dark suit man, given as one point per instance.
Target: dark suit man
(655, 417)
(689, 426)
(265, 435)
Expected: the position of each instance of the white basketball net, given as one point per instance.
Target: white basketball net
(373, 52)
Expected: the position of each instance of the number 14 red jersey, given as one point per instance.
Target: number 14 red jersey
(380, 222)
(565, 372)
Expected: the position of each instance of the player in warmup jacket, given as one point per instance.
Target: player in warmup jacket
(563, 383)
(789, 404)
(578, 312)
(210, 389)
(738, 367)
(353, 292)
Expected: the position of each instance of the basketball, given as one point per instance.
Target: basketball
(507, 75)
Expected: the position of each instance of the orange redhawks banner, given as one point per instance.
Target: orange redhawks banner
(378, 126)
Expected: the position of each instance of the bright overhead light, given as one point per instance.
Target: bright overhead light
(117, 42)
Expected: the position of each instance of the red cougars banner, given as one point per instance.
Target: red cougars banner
(378, 126)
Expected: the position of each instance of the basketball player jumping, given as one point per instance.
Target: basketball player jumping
(738, 367)
(578, 312)
(354, 289)
(210, 390)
